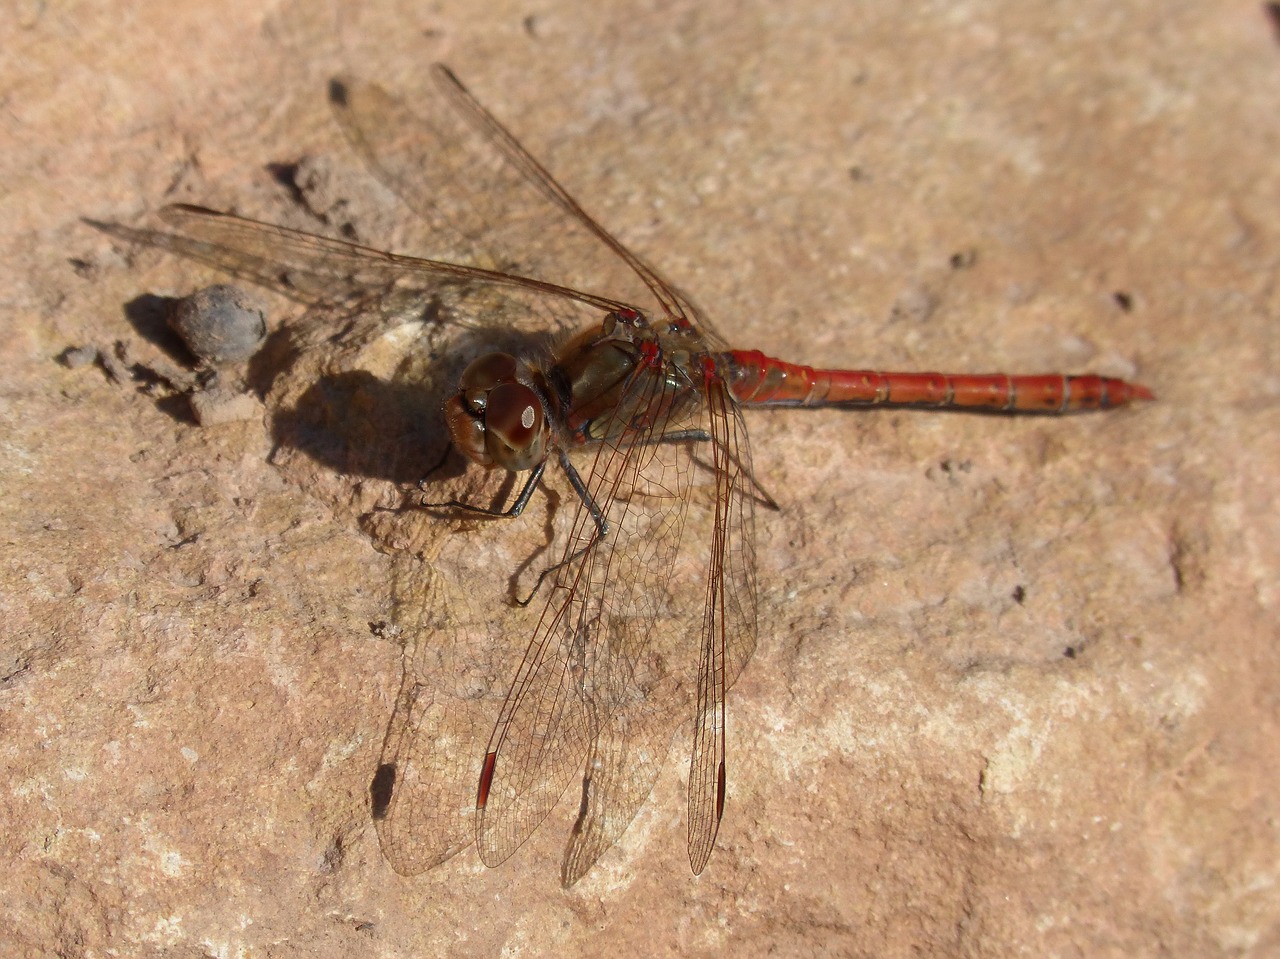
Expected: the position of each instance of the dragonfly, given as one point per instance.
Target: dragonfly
(650, 613)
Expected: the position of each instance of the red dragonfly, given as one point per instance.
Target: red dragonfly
(649, 615)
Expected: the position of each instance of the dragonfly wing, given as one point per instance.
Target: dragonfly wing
(626, 756)
(639, 702)
(423, 794)
(619, 610)
(431, 161)
(483, 198)
(728, 634)
(541, 179)
(540, 741)
(246, 252)
(292, 259)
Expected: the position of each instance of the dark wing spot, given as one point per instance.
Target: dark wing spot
(380, 790)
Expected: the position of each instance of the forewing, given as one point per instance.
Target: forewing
(540, 739)
(609, 673)
(484, 198)
(321, 268)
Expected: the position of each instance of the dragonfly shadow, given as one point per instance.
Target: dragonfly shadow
(359, 425)
(387, 426)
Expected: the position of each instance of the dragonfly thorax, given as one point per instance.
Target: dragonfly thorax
(497, 418)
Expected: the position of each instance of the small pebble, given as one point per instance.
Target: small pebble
(219, 405)
(220, 324)
(75, 357)
(115, 364)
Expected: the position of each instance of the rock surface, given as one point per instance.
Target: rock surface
(1016, 690)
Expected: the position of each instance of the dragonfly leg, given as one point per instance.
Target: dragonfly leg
(762, 495)
(444, 458)
(602, 527)
(579, 487)
(515, 509)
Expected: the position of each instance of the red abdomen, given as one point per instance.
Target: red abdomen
(759, 380)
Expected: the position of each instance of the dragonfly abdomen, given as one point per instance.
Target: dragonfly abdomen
(760, 380)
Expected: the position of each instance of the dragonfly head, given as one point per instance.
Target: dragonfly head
(495, 418)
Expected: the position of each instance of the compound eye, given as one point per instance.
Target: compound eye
(515, 428)
(486, 372)
(466, 429)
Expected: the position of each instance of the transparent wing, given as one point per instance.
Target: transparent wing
(424, 791)
(483, 196)
(606, 660)
(319, 267)
(457, 654)
(728, 622)
(614, 667)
